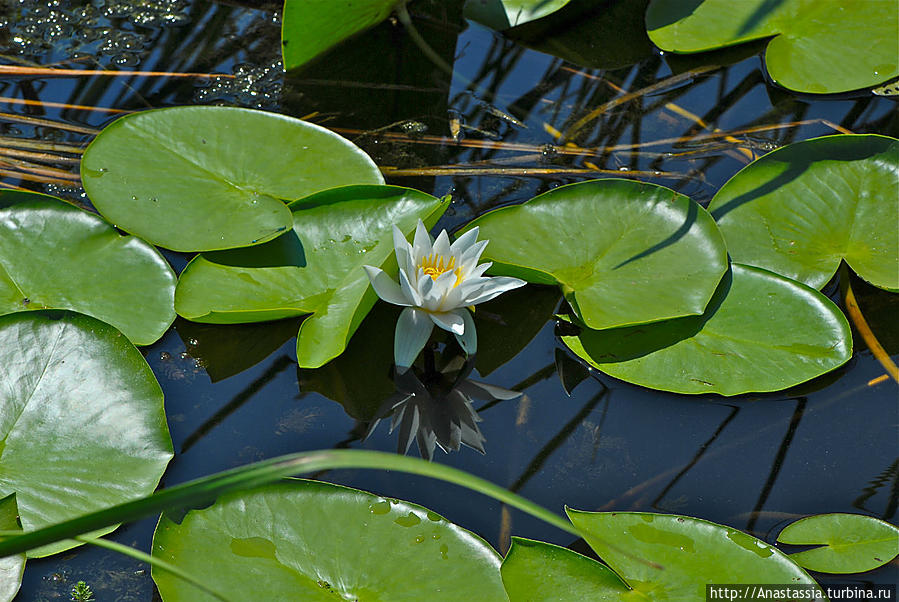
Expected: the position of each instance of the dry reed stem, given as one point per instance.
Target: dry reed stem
(48, 123)
(28, 143)
(464, 170)
(44, 157)
(28, 177)
(45, 71)
(58, 105)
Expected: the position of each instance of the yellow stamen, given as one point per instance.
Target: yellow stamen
(435, 265)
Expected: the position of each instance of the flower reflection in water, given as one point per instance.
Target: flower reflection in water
(433, 405)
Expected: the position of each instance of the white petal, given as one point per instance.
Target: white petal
(495, 287)
(464, 241)
(453, 298)
(422, 245)
(479, 271)
(468, 340)
(403, 250)
(442, 245)
(412, 332)
(385, 286)
(425, 287)
(450, 321)
(408, 290)
(472, 287)
(470, 256)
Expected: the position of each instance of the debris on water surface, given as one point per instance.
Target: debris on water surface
(251, 85)
(119, 30)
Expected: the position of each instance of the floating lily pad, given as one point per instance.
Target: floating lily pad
(801, 209)
(623, 252)
(761, 332)
(307, 540)
(316, 268)
(54, 255)
(11, 567)
(670, 557)
(207, 178)
(849, 543)
(81, 419)
(503, 14)
(311, 28)
(818, 47)
(534, 571)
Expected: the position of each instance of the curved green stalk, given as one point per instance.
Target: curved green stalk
(204, 491)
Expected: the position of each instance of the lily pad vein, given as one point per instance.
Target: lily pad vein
(33, 391)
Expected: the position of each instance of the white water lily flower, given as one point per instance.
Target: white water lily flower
(437, 282)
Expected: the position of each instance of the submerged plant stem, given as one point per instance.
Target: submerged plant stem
(858, 320)
(578, 125)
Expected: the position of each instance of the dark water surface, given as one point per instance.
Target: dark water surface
(234, 395)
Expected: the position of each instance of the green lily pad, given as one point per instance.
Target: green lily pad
(54, 255)
(81, 419)
(208, 178)
(11, 567)
(670, 557)
(316, 268)
(503, 14)
(535, 571)
(622, 251)
(307, 540)
(311, 28)
(761, 332)
(817, 47)
(849, 543)
(801, 209)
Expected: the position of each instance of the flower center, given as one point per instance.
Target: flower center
(435, 265)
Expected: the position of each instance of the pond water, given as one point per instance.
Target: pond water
(234, 395)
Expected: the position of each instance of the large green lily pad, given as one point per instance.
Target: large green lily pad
(307, 540)
(310, 28)
(848, 543)
(623, 252)
(818, 46)
(801, 209)
(207, 178)
(316, 268)
(761, 332)
(11, 567)
(670, 557)
(535, 571)
(81, 419)
(503, 14)
(54, 255)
